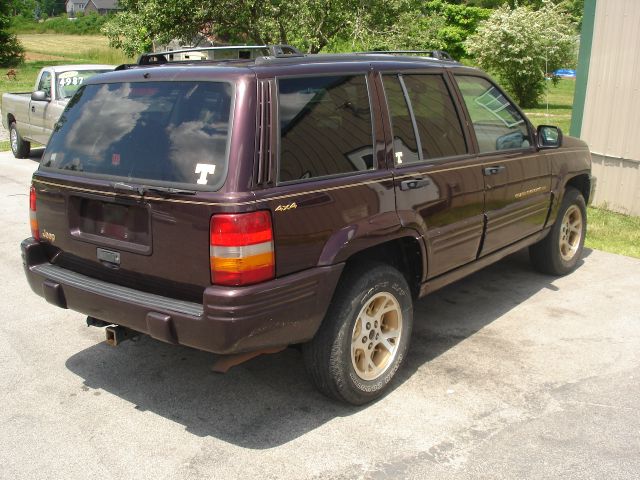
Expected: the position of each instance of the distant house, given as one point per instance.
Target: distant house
(75, 6)
(101, 7)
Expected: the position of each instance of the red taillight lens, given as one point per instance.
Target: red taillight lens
(241, 248)
(33, 220)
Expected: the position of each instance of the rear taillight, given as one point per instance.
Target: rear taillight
(33, 220)
(241, 248)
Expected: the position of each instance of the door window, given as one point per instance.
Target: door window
(405, 143)
(325, 127)
(497, 123)
(424, 120)
(439, 127)
(45, 83)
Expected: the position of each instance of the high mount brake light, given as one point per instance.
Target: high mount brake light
(33, 220)
(241, 248)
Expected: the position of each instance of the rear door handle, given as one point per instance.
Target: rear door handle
(414, 183)
(496, 169)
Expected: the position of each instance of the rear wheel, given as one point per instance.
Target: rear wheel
(559, 252)
(19, 147)
(364, 336)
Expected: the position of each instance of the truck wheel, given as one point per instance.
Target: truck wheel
(364, 336)
(19, 147)
(559, 252)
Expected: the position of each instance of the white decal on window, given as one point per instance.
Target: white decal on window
(399, 157)
(204, 169)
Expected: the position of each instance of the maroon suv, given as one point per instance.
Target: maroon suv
(252, 204)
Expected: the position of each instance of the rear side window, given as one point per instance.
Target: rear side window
(152, 132)
(497, 123)
(325, 127)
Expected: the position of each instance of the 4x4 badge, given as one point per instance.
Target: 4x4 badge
(284, 208)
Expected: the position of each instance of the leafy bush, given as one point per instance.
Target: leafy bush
(83, 25)
(522, 45)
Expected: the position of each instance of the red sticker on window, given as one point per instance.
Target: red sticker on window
(115, 159)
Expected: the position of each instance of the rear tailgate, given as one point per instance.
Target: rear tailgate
(153, 244)
(130, 179)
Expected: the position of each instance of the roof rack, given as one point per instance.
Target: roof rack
(158, 58)
(437, 54)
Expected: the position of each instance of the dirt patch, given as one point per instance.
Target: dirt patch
(36, 57)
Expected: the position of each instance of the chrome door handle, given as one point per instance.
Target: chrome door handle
(496, 169)
(414, 183)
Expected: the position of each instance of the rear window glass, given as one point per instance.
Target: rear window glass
(152, 132)
(325, 127)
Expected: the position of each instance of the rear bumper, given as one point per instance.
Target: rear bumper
(280, 312)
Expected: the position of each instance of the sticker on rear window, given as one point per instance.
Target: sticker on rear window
(204, 169)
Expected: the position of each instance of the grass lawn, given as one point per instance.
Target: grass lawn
(613, 232)
(560, 104)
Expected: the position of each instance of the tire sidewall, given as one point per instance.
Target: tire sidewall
(22, 148)
(572, 197)
(353, 387)
(13, 131)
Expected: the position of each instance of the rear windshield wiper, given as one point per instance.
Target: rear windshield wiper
(144, 189)
(168, 190)
(125, 187)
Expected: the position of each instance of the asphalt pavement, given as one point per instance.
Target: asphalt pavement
(511, 374)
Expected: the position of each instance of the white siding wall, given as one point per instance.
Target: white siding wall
(611, 121)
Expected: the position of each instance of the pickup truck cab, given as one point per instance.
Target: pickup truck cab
(30, 117)
(248, 205)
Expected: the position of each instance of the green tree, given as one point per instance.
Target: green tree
(11, 52)
(521, 45)
(310, 24)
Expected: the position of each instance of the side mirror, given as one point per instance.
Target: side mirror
(549, 136)
(39, 96)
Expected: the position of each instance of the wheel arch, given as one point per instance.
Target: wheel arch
(582, 183)
(406, 253)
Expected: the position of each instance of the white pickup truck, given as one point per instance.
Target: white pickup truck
(31, 116)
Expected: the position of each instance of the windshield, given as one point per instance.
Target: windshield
(67, 83)
(151, 132)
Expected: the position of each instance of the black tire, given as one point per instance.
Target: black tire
(333, 368)
(560, 251)
(19, 147)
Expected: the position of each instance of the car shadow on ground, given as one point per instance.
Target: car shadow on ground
(268, 401)
(36, 153)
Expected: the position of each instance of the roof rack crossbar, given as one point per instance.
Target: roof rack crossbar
(161, 57)
(437, 54)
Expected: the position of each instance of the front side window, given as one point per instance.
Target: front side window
(325, 127)
(45, 83)
(150, 131)
(497, 123)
